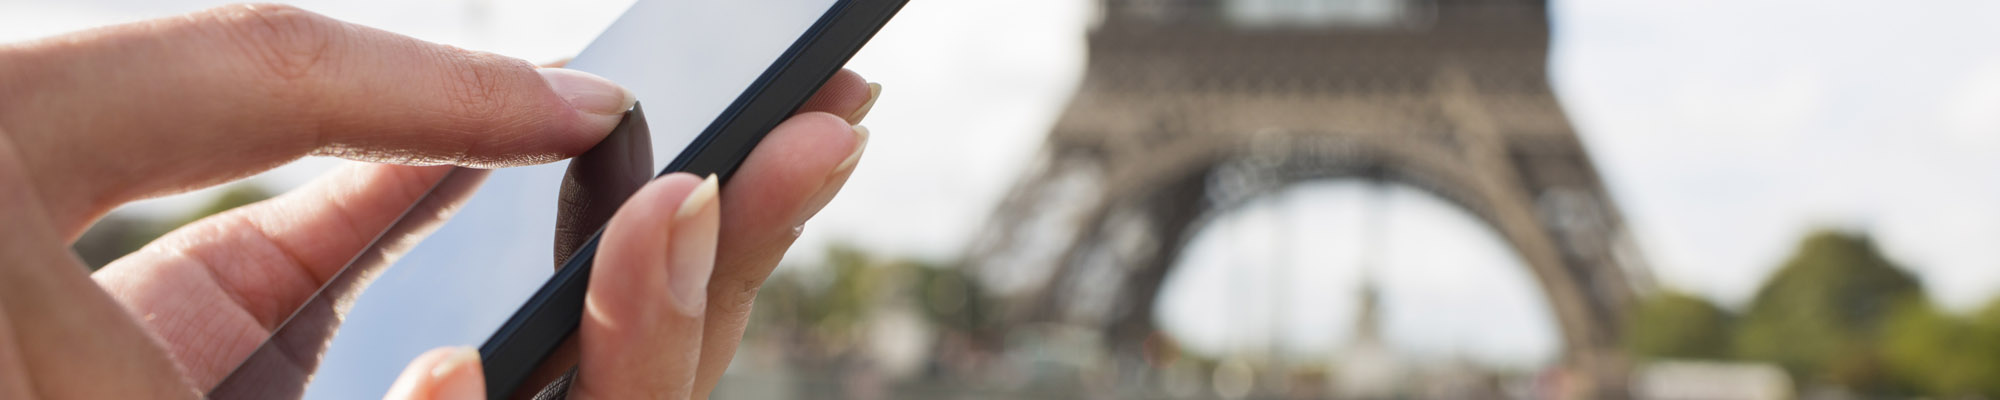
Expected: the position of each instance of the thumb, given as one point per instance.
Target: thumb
(446, 373)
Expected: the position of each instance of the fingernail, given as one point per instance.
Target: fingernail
(698, 199)
(874, 93)
(854, 158)
(588, 93)
(458, 376)
(693, 246)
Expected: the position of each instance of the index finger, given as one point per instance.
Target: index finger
(150, 108)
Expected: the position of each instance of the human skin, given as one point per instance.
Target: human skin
(95, 119)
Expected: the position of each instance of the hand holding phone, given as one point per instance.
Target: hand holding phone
(706, 114)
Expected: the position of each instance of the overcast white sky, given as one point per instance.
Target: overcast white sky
(1726, 130)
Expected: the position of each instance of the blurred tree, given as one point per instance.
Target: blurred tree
(1822, 316)
(234, 196)
(1679, 325)
(821, 317)
(1985, 326)
(118, 234)
(826, 303)
(834, 299)
(952, 299)
(1945, 356)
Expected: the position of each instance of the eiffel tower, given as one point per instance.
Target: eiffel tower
(1189, 108)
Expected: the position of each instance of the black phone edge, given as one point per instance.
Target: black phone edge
(552, 314)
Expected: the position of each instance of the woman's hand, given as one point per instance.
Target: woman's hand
(96, 119)
(642, 329)
(651, 326)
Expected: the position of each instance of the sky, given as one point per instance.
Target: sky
(1725, 130)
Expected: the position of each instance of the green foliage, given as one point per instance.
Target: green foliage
(953, 299)
(234, 196)
(1946, 356)
(117, 235)
(835, 298)
(1823, 315)
(1837, 313)
(1678, 325)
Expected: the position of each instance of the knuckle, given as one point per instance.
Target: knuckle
(282, 41)
(739, 295)
(480, 90)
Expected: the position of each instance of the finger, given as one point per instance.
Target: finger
(14, 382)
(217, 287)
(234, 90)
(641, 332)
(804, 159)
(69, 332)
(450, 373)
(846, 94)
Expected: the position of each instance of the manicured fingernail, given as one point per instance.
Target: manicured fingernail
(693, 245)
(698, 199)
(853, 158)
(458, 376)
(589, 93)
(874, 93)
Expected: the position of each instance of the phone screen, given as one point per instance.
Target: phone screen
(686, 60)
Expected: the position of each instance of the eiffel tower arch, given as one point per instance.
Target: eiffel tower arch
(1189, 108)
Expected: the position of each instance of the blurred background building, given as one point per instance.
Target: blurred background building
(1191, 108)
(1303, 199)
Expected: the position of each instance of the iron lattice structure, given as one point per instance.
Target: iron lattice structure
(1187, 111)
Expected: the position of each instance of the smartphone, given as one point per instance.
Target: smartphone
(501, 258)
